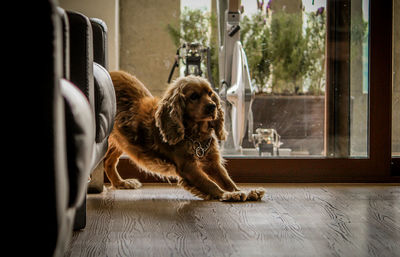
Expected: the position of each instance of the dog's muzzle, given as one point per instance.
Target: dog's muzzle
(210, 108)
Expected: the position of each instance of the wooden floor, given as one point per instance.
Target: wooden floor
(292, 220)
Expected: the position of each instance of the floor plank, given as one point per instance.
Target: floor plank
(291, 220)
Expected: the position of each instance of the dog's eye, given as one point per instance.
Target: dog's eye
(210, 93)
(194, 96)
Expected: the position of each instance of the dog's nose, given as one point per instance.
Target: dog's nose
(210, 108)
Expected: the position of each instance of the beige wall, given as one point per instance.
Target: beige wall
(146, 49)
(106, 10)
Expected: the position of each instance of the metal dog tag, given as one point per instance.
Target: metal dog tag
(199, 152)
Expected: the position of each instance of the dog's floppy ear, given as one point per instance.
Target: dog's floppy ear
(218, 123)
(169, 115)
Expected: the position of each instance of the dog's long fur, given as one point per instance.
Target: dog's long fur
(160, 136)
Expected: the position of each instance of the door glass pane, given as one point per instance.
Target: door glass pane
(359, 73)
(286, 46)
(396, 80)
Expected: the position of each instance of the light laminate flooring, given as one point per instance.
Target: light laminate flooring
(291, 220)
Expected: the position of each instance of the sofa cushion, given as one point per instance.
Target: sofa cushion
(80, 135)
(105, 102)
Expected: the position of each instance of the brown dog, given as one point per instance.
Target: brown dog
(176, 136)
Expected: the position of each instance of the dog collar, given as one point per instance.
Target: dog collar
(199, 149)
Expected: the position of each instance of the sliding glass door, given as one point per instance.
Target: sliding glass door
(322, 112)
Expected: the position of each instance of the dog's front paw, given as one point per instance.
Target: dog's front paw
(128, 184)
(237, 196)
(255, 194)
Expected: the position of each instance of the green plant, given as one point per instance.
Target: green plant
(279, 50)
(315, 37)
(194, 27)
(255, 38)
(288, 50)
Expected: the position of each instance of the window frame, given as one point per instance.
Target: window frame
(378, 166)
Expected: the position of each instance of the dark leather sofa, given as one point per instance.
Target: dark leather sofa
(87, 42)
(61, 113)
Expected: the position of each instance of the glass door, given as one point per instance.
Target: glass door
(322, 74)
(310, 71)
